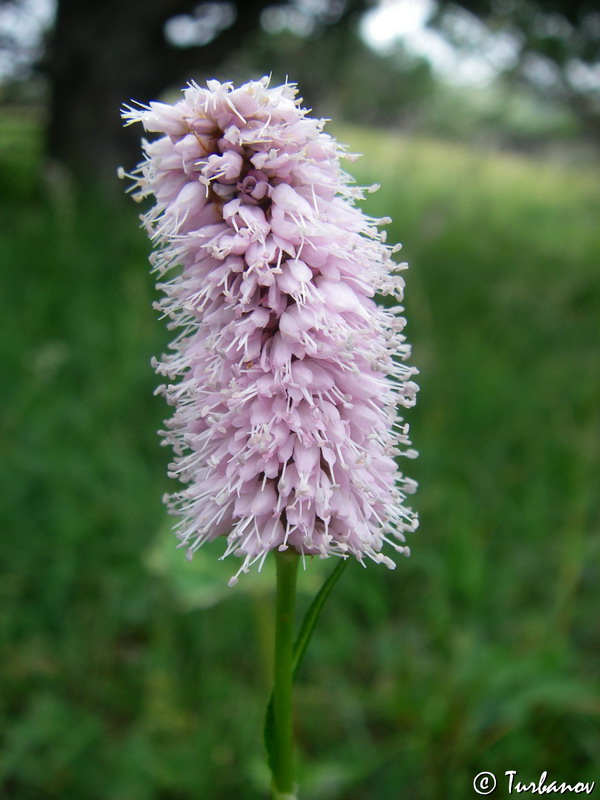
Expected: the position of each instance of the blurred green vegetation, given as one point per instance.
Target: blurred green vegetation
(399, 89)
(129, 674)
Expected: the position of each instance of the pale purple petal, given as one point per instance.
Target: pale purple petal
(285, 376)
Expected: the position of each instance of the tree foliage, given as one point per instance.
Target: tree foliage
(556, 44)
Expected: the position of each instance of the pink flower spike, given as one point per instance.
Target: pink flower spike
(286, 376)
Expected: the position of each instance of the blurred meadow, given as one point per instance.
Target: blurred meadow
(130, 674)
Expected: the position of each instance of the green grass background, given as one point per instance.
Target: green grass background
(130, 675)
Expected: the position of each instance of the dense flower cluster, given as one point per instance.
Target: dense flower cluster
(285, 375)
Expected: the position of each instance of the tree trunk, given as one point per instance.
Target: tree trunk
(106, 52)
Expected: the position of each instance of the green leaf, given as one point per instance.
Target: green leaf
(300, 646)
(312, 615)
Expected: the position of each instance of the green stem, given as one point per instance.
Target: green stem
(283, 756)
